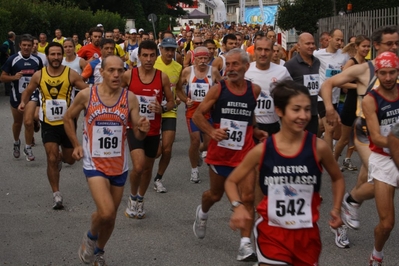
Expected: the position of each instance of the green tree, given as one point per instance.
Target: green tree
(302, 14)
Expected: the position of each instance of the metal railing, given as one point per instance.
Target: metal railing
(360, 22)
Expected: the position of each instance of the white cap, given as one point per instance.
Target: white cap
(131, 31)
(141, 30)
(99, 25)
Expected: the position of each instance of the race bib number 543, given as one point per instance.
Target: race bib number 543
(236, 131)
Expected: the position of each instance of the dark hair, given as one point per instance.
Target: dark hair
(95, 29)
(53, 44)
(26, 38)
(377, 34)
(106, 41)
(144, 33)
(284, 91)
(209, 41)
(166, 31)
(229, 37)
(264, 38)
(324, 33)
(331, 33)
(150, 45)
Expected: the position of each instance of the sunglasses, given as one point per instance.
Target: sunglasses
(198, 43)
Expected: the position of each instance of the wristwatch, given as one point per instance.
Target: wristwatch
(235, 204)
(164, 109)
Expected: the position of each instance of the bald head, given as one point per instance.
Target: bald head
(306, 45)
(305, 36)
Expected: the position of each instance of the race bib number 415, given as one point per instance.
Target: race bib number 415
(289, 205)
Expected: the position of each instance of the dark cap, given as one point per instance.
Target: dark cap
(168, 43)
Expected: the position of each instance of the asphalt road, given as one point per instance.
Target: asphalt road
(31, 233)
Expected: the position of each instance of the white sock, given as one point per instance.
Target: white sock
(194, 169)
(203, 215)
(27, 146)
(378, 254)
(245, 240)
(16, 142)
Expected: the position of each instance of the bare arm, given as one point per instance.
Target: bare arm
(170, 102)
(141, 125)
(204, 108)
(187, 59)
(183, 80)
(126, 78)
(5, 77)
(393, 144)
(349, 85)
(82, 63)
(216, 75)
(218, 63)
(240, 216)
(373, 126)
(338, 184)
(80, 103)
(77, 80)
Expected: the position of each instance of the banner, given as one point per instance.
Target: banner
(242, 11)
(219, 10)
(262, 16)
(253, 15)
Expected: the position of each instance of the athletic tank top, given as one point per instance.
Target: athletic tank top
(56, 95)
(291, 185)
(388, 114)
(236, 113)
(173, 71)
(41, 49)
(147, 94)
(196, 89)
(75, 64)
(104, 135)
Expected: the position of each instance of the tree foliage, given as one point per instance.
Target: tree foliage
(34, 17)
(304, 14)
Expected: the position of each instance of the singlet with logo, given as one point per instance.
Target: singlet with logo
(56, 95)
(266, 79)
(197, 89)
(146, 94)
(92, 72)
(234, 112)
(28, 66)
(291, 185)
(173, 71)
(104, 135)
(388, 115)
(330, 65)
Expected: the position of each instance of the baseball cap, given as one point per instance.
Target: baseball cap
(131, 31)
(180, 34)
(386, 60)
(100, 25)
(141, 30)
(168, 42)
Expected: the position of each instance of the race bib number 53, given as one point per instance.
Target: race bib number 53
(289, 205)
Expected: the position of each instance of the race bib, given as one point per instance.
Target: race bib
(264, 105)
(289, 205)
(145, 102)
(332, 72)
(236, 131)
(384, 131)
(198, 91)
(107, 139)
(55, 109)
(23, 83)
(312, 83)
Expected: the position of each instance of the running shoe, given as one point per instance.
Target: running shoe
(140, 210)
(29, 154)
(341, 237)
(36, 125)
(86, 249)
(57, 199)
(131, 210)
(158, 186)
(195, 177)
(375, 261)
(17, 147)
(204, 154)
(199, 226)
(350, 213)
(246, 253)
(200, 160)
(99, 259)
(347, 164)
